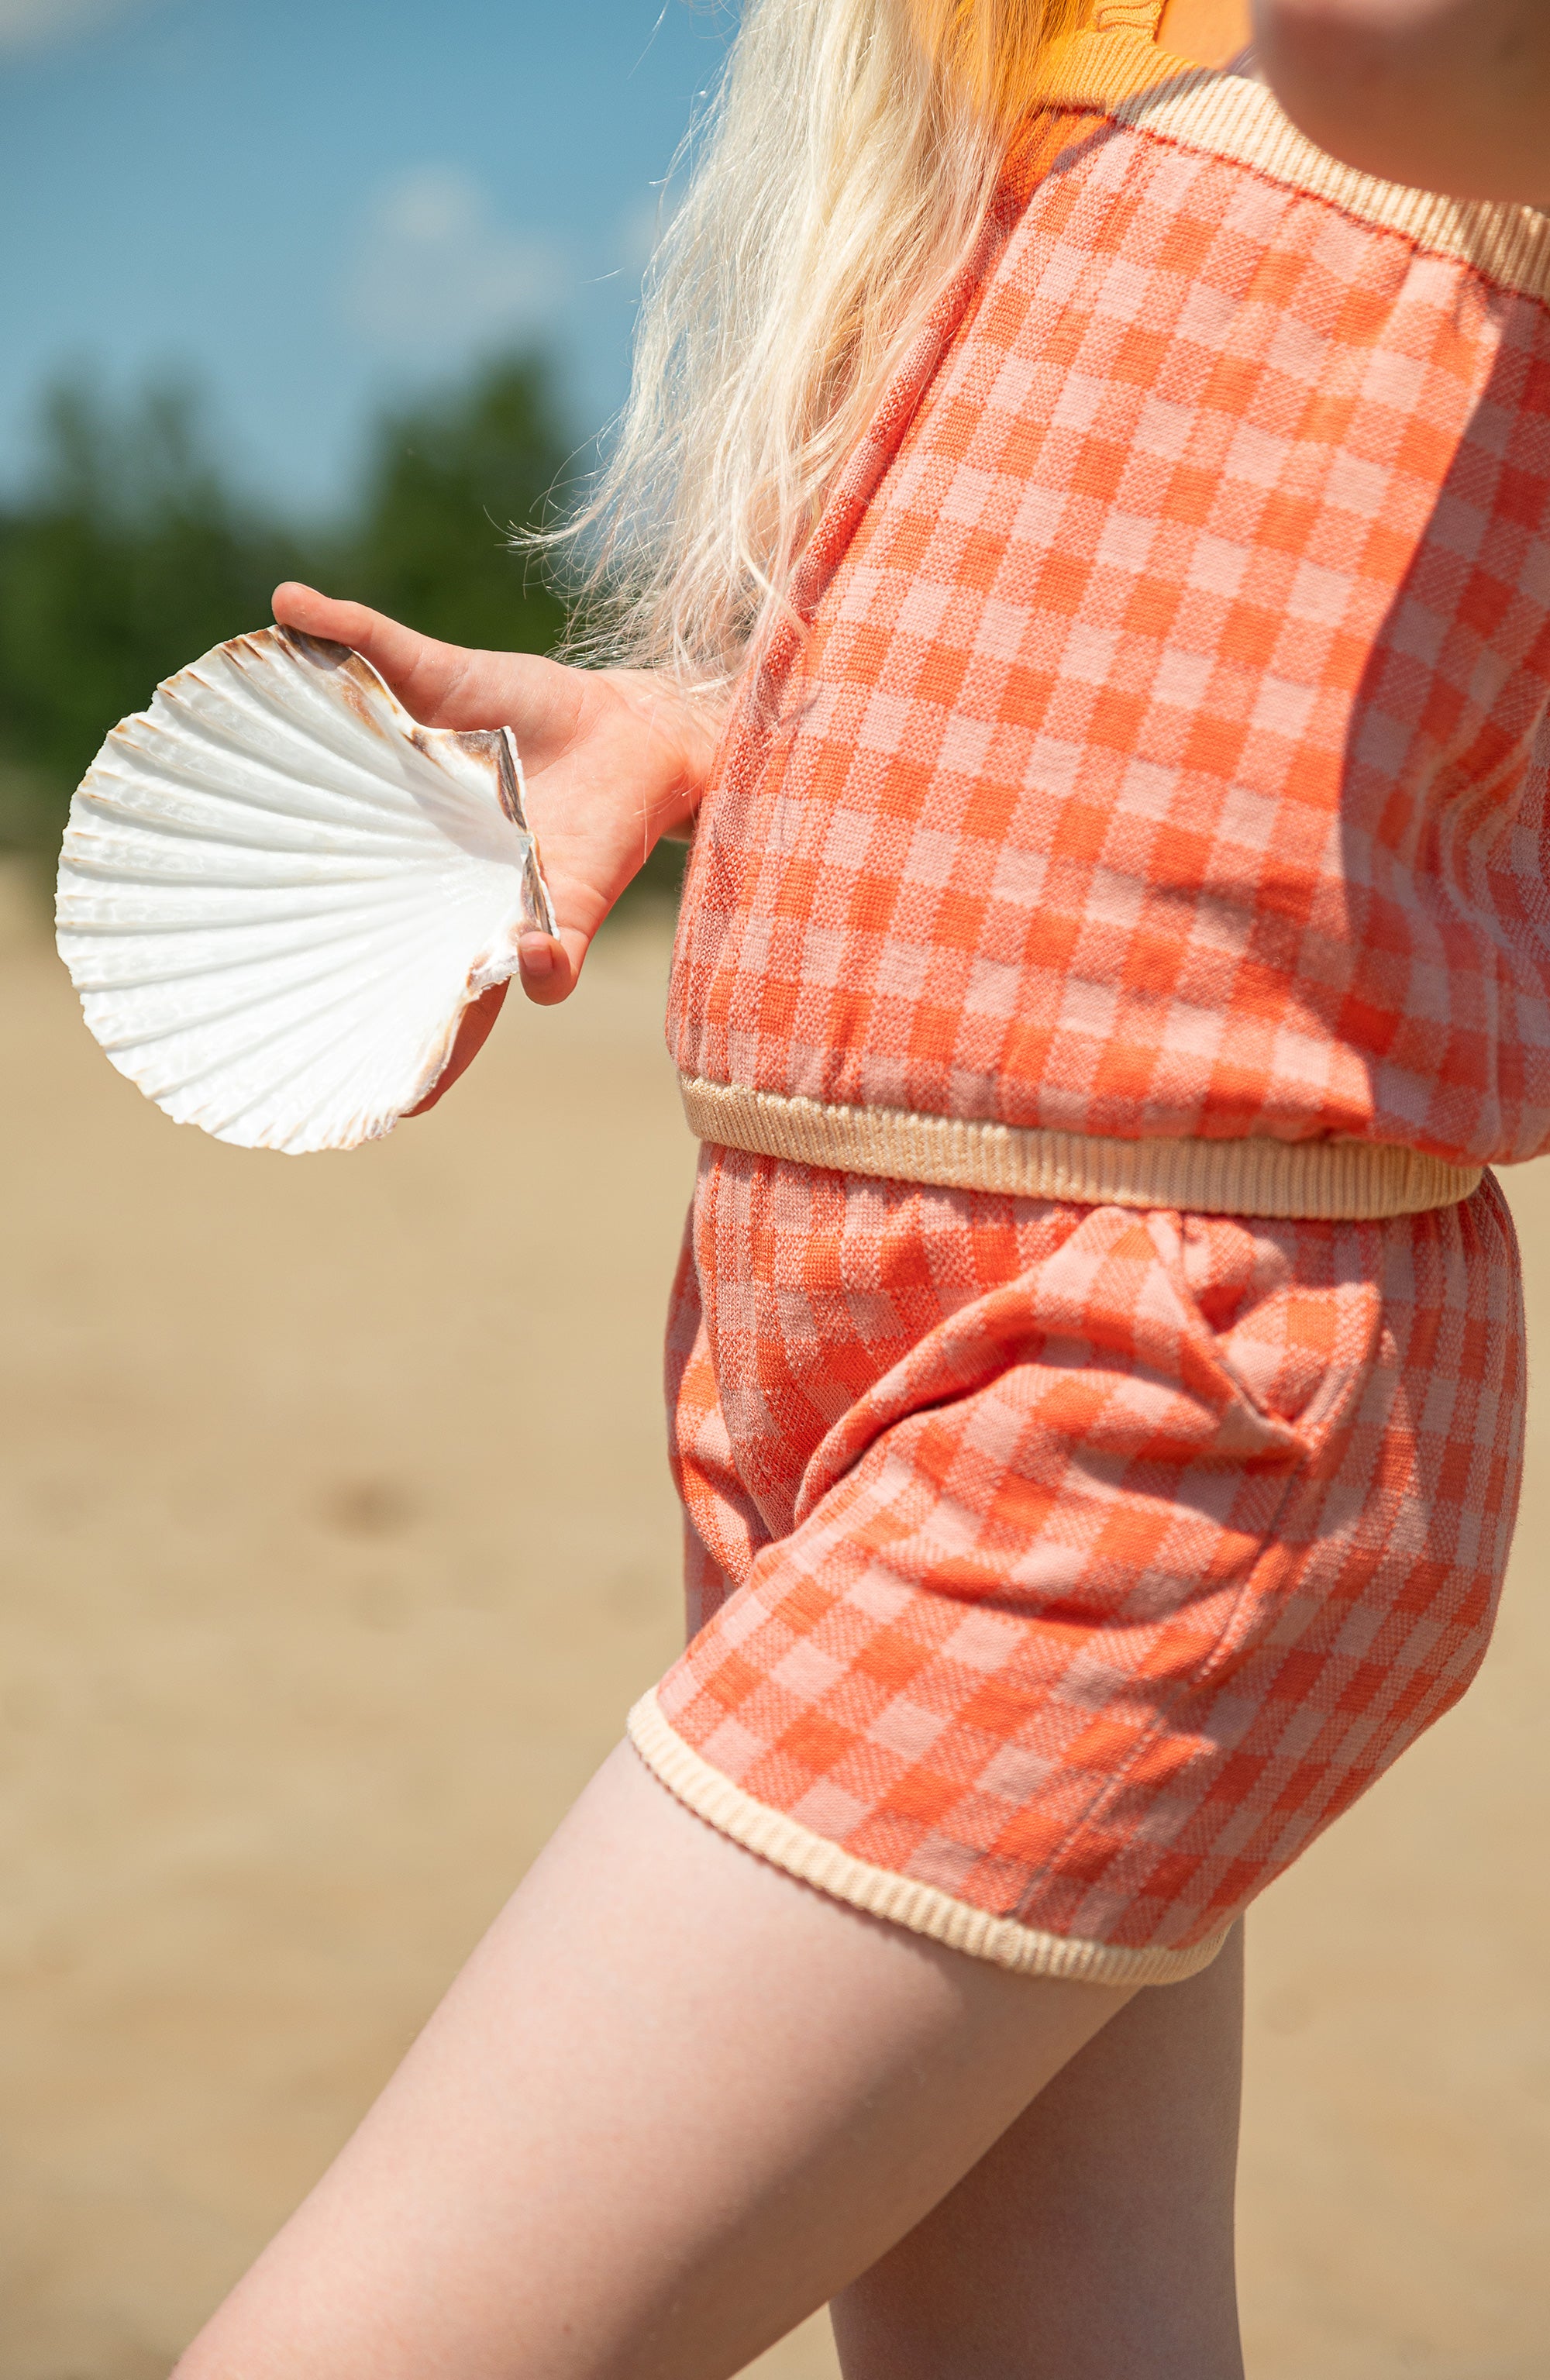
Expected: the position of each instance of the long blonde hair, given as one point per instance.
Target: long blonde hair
(837, 176)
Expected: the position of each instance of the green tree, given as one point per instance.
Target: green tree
(130, 559)
(446, 482)
(130, 556)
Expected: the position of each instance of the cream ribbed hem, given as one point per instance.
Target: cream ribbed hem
(922, 1908)
(1123, 73)
(1323, 1180)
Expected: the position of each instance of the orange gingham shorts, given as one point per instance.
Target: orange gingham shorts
(1058, 1572)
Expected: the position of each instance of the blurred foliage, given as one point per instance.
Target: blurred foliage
(129, 559)
(130, 556)
(443, 481)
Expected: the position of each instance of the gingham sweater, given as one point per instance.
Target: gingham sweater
(1164, 750)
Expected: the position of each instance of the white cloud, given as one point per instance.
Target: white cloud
(33, 24)
(437, 271)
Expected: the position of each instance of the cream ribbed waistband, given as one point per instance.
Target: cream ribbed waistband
(1331, 1181)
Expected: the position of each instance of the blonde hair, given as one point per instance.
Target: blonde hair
(839, 174)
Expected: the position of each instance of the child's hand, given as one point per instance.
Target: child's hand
(613, 759)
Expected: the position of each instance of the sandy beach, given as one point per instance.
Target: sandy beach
(336, 1540)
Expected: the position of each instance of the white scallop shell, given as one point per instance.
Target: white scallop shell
(278, 893)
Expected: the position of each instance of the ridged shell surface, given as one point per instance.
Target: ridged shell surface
(278, 893)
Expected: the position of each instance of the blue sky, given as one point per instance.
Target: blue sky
(308, 204)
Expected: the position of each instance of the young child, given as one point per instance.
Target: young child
(1082, 561)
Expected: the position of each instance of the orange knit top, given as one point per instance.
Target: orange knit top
(1163, 749)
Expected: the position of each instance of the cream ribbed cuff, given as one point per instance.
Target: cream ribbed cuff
(922, 1908)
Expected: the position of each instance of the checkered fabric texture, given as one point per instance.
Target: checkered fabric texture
(1167, 751)
(1080, 1563)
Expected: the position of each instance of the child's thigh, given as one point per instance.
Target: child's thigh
(1096, 2236)
(675, 2103)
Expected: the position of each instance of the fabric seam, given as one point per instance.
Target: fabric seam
(1257, 1176)
(1229, 1637)
(1414, 241)
(920, 1908)
(1125, 109)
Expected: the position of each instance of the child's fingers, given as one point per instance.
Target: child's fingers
(551, 965)
(473, 1032)
(424, 674)
(548, 975)
(444, 686)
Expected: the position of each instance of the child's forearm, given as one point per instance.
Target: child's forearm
(1445, 94)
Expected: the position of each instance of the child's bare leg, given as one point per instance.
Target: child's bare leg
(674, 2102)
(1096, 2237)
